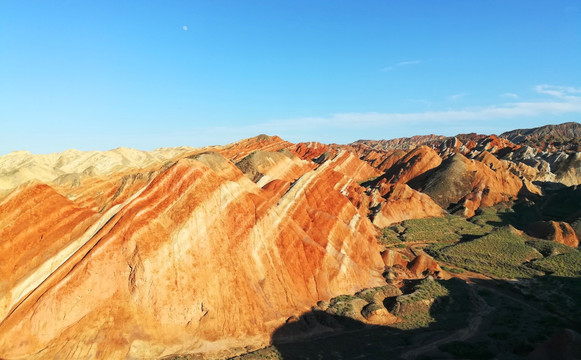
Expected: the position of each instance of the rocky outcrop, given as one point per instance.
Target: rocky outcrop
(405, 203)
(264, 166)
(461, 184)
(391, 258)
(560, 232)
(241, 149)
(545, 166)
(313, 150)
(423, 265)
(413, 164)
(405, 143)
(377, 314)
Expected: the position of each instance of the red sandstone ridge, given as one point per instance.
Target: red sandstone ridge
(38, 228)
(560, 232)
(391, 258)
(424, 264)
(413, 164)
(239, 150)
(463, 184)
(201, 260)
(264, 166)
(312, 150)
(405, 203)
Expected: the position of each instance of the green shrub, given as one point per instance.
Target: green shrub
(548, 248)
(453, 270)
(568, 265)
(388, 237)
(501, 253)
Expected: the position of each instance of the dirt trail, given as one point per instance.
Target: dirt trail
(481, 310)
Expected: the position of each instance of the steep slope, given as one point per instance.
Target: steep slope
(240, 149)
(264, 166)
(313, 150)
(201, 260)
(405, 203)
(461, 184)
(404, 143)
(37, 225)
(413, 164)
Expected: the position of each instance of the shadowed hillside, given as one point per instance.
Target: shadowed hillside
(486, 319)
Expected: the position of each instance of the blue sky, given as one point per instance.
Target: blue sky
(96, 75)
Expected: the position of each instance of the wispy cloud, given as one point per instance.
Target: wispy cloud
(184, 28)
(555, 104)
(460, 119)
(400, 64)
(510, 95)
(456, 96)
(563, 92)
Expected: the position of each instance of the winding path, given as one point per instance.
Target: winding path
(481, 310)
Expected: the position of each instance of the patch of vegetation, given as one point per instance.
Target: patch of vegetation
(501, 253)
(449, 228)
(270, 352)
(388, 237)
(548, 248)
(369, 295)
(568, 265)
(559, 295)
(343, 308)
(342, 305)
(416, 320)
(427, 289)
(342, 298)
(453, 270)
(466, 350)
(494, 216)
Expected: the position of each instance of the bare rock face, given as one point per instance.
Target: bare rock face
(424, 264)
(39, 229)
(240, 149)
(468, 184)
(313, 150)
(405, 143)
(198, 260)
(405, 203)
(264, 166)
(560, 232)
(377, 314)
(414, 163)
(391, 258)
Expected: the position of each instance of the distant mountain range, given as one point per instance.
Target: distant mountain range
(566, 136)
